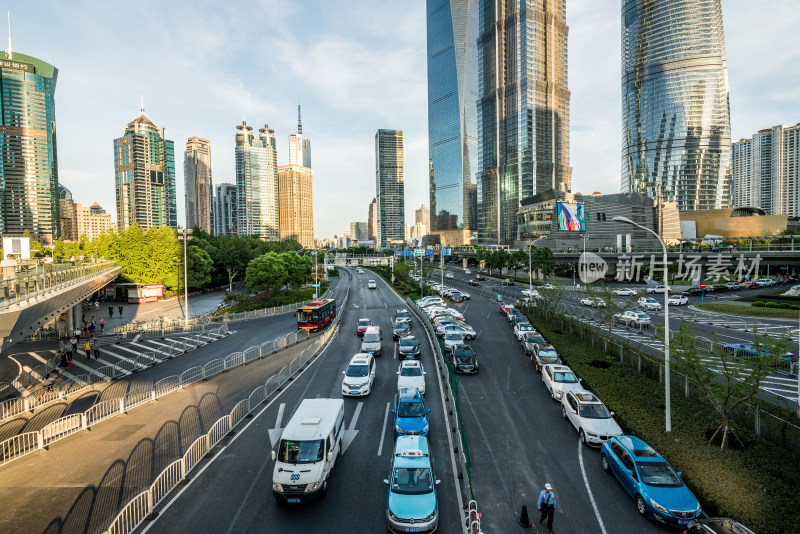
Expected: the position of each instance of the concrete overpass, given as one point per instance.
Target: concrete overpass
(36, 297)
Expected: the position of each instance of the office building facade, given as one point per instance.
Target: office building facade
(766, 171)
(224, 209)
(372, 219)
(452, 114)
(676, 133)
(257, 183)
(358, 231)
(296, 204)
(389, 187)
(29, 197)
(523, 110)
(198, 185)
(422, 215)
(144, 176)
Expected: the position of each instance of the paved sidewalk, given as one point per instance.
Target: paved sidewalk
(81, 482)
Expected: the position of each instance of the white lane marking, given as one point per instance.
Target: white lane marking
(256, 480)
(241, 432)
(589, 490)
(394, 357)
(350, 434)
(383, 432)
(488, 314)
(277, 430)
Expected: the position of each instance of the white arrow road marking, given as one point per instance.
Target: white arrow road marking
(355, 305)
(275, 433)
(589, 490)
(383, 432)
(350, 434)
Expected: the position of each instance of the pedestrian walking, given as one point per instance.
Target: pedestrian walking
(111, 311)
(91, 328)
(77, 334)
(547, 506)
(68, 350)
(102, 325)
(9, 266)
(120, 311)
(96, 348)
(64, 358)
(96, 305)
(74, 342)
(87, 348)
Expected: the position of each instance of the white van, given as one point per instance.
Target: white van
(372, 342)
(309, 446)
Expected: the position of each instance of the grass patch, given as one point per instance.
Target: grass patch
(748, 311)
(771, 297)
(756, 486)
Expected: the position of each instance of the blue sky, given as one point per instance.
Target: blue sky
(355, 66)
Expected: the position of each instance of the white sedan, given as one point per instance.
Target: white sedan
(625, 292)
(372, 284)
(559, 379)
(452, 340)
(658, 289)
(594, 302)
(359, 376)
(590, 417)
(523, 329)
(449, 275)
(678, 300)
(411, 375)
(648, 303)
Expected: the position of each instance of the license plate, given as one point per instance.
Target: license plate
(293, 500)
(683, 521)
(412, 529)
(467, 370)
(353, 392)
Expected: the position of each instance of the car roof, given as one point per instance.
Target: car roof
(408, 395)
(409, 337)
(360, 359)
(364, 319)
(408, 444)
(586, 397)
(410, 363)
(401, 310)
(374, 329)
(641, 450)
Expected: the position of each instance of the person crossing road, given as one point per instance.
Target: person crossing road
(547, 506)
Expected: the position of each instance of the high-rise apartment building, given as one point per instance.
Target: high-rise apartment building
(224, 209)
(144, 176)
(372, 219)
(523, 110)
(296, 204)
(197, 183)
(68, 229)
(77, 220)
(766, 171)
(257, 183)
(389, 187)
(452, 115)
(299, 147)
(29, 197)
(676, 132)
(422, 215)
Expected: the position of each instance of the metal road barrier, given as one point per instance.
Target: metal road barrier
(143, 505)
(35, 283)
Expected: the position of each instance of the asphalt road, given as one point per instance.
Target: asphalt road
(233, 494)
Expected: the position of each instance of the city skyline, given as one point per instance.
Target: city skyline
(349, 86)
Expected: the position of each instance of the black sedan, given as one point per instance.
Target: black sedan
(400, 329)
(408, 347)
(464, 360)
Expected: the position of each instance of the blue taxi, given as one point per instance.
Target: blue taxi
(410, 414)
(412, 505)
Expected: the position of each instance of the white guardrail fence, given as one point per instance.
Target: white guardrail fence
(143, 506)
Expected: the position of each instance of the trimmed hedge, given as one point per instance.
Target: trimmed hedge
(767, 311)
(756, 486)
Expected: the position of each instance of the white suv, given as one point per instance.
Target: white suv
(558, 379)
(590, 417)
(372, 285)
(359, 376)
(648, 303)
(411, 375)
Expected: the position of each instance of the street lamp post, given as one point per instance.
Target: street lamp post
(530, 272)
(666, 319)
(185, 281)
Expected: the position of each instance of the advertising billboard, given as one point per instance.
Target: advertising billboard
(570, 217)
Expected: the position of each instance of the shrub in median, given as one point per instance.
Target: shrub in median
(758, 304)
(756, 486)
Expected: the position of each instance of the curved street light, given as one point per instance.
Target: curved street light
(666, 319)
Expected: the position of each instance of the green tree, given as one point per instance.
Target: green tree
(233, 254)
(298, 268)
(199, 266)
(516, 258)
(543, 260)
(268, 271)
(610, 311)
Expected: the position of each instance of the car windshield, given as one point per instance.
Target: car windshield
(466, 358)
(364, 322)
(658, 474)
(304, 316)
(410, 409)
(403, 315)
(408, 342)
(593, 411)
(452, 336)
(525, 326)
(564, 376)
(371, 338)
(301, 452)
(357, 370)
(412, 481)
(411, 370)
(548, 354)
(534, 339)
(400, 326)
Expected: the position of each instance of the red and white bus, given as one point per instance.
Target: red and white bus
(316, 314)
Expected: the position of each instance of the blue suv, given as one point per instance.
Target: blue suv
(412, 505)
(657, 489)
(410, 414)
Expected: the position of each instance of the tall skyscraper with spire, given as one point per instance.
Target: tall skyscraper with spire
(676, 128)
(144, 176)
(523, 110)
(257, 183)
(299, 146)
(29, 165)
(198, 187)
(452, 118)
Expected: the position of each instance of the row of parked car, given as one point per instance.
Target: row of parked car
(656, 488)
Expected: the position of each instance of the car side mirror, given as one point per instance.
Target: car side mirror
(575, 411)
(428, 410)
(274, 456)
(344, 373)
(438, 481)
(424, 373)
(386, 481)
(393, 412)
(613, 414)
(680, 475)
(398, 372)
(329, 457)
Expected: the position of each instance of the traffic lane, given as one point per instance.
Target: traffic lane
(250, 506)
(518, 440)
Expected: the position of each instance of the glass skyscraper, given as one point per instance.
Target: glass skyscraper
(390, 187)
(452, 114)
(28, 163)
(257, 183)
(144, 175)
(523, 109)
(198, 188)
(676, 133)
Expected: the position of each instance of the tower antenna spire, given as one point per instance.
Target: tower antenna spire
(299, 121)
(142, 106)
(9, 52)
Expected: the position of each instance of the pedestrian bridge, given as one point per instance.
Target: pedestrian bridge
(37, 295)
(358, 260)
